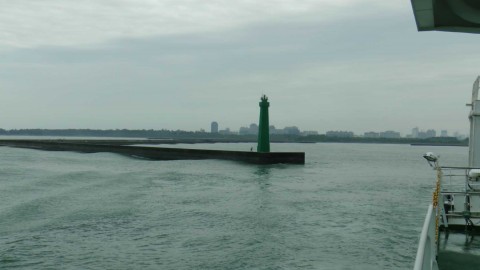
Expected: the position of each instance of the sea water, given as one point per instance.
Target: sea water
(351, 206)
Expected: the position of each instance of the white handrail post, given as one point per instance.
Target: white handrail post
(427, 248)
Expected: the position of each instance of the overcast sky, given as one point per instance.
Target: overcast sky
(356, 65)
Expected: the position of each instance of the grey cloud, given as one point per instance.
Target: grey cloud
(27, 23)
(360, 73)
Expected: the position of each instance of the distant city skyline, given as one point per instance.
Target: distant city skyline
(415, 132)
(217, 127)
(252, 129)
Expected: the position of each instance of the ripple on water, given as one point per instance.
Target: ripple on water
(350, 207)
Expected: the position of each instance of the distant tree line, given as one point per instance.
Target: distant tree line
(427, 141)
(130, 133)
(181, 134)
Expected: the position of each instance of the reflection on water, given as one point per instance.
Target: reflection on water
(263, 170)
(262, 174)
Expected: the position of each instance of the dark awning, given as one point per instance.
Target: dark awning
(447, 15)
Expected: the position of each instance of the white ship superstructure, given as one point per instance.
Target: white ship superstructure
(455, 207)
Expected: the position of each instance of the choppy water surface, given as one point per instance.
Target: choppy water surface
(351, 206)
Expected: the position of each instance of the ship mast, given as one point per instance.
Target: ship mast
(474, 140)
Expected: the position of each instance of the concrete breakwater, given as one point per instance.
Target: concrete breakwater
(156, 153)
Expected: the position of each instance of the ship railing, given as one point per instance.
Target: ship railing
(427, 248)
(456, 181)
(454, 177)
(458, 205)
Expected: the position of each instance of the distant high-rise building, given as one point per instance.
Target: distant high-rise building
(426, 134)
(443, 133)
(309, 132)
(431, 133)
(390, 134)
(341, 134)
(252, 130)
(272, 129)
(459, 136)
(225, 131)
(214, 127)
(292, 130)
(415, 132)
(371, 134)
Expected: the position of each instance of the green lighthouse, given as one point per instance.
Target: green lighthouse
(263, 127)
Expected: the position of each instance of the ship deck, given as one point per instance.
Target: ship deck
(458, 249)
